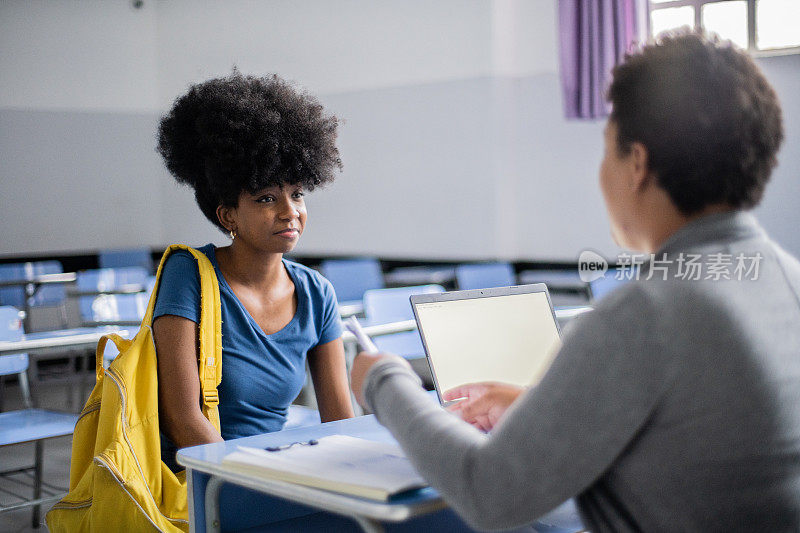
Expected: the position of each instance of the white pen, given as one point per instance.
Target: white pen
(362, 338)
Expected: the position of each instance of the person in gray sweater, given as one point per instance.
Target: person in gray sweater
(675, 404)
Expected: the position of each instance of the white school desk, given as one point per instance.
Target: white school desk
(65, 338)
(32, 285)
(272, 505)
(420, 275)
(37, 345)
(351, 308)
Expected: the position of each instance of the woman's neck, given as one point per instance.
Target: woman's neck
(246, 267)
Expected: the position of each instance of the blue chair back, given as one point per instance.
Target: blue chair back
(119, 307)
(107, 279)
(351, 278)
(150, 284)
(12, 295)
(382, 306)
(601, 287)
(126, 257)
(127, 308)
(46, 295)
(393, 305)
(11, 330)
(485, 275)
(552, 278)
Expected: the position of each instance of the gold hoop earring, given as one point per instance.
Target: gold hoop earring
(232, 234)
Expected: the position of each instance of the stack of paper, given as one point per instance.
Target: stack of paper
(339, 463)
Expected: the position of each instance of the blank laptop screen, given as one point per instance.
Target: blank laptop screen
(509, 338)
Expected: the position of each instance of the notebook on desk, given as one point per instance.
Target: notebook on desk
(337, 463)
(506, 334)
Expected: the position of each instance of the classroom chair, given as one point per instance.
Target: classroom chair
(485, 275)
(123, 309)
(444, 275)
(566, 288)
(107, 280)
(118, 309)
(351, 278)
(44, 295)
(382, 306)
(27, 425)
(126, 257)
(554, 279)
(601, 287)
(150, 284)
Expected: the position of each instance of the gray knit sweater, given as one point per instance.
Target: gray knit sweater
(673, 406)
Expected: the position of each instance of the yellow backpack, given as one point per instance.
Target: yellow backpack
(117, 480)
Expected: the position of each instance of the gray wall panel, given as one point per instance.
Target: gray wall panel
(77, 181)
(476, 168)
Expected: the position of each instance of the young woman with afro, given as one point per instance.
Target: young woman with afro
(251, 148)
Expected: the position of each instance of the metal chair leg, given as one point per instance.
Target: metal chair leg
(37, 482)
(28, 400)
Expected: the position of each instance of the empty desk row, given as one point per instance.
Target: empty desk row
(352, 278)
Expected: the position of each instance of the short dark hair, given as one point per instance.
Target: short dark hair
(709, 119)
(243, 133)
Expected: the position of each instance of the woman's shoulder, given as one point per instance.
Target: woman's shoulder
(185, 257)
(181, 265)
(310, 277)
(305, 273)
(179, 286)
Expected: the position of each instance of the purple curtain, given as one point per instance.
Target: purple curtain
(594, 35)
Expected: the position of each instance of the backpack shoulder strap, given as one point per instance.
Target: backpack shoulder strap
(210, 338)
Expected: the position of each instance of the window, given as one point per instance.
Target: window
(761, 26)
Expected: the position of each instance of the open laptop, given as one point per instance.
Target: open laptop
(506, 334)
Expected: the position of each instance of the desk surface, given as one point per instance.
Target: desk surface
(67, 338)
(350, 308)
(420, 275)
(208, 459)
(127, 289)
(43, 279)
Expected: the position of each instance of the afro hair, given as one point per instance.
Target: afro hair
(241, 133)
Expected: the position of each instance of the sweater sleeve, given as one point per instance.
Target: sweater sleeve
(556, 439)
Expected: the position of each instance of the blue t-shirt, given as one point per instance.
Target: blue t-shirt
(261, 374)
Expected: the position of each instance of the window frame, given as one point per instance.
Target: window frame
(751, 24)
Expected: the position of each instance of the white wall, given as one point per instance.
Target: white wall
(77, 181)
(453, 139)
(95, 55)
(779, 212)
(523, 37)
(107, 55)
(417, 174)
(412, 81)
(328, 46)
